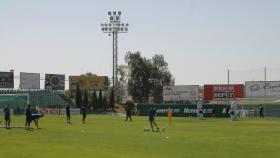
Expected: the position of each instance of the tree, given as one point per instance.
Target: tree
(123, 71)
(140, 71)
(160, 76)
(94, 100)
(147, 77)
(86, 99)
(100, 99)
(112, 98)
(78, 97)
(105, 102)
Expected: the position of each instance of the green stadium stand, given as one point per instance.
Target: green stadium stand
(36, 98)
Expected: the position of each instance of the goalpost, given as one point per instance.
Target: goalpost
(250, 107)
(13, 100)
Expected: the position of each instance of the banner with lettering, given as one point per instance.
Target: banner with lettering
(223, 92)
(262, 89)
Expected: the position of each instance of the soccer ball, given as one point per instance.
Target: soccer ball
(146, 129)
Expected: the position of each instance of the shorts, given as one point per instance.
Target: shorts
(151, 119)
(7, 118)
(28, 119)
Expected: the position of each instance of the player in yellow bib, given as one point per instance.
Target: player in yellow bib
(169, 114)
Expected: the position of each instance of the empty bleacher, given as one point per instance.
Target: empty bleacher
(39, 97)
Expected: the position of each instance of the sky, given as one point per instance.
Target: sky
(200, 39)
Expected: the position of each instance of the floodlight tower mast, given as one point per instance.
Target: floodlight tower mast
(114, 27)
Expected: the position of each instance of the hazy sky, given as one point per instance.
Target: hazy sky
(200, 39)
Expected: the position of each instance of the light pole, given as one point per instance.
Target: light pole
(114, 27)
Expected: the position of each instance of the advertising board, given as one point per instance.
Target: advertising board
(7, 79)
(223, 92)
(29, 80)
(180, 93)
(89, 82)
(262, 89)
(54, 82)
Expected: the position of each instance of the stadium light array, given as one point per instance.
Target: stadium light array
(114, 27)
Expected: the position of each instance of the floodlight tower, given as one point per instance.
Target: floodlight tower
(114, 27)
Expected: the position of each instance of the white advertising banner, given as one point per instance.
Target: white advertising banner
(180, 93)
(29, 80)
(262, 89)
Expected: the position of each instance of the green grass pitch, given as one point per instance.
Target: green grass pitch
(111, 137)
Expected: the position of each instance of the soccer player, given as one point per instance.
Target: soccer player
(200, 114)
(58, 111)
(152, 115)
(169, 114)
(199, 107)
(213, 112)
(233, 111)
(261, 111)
(227, 112)
(35, 118)
(84, 113)
(68, 113)
(28, 117)
(7, 114)
(128, 114)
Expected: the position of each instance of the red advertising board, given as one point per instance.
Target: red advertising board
(52, 111)
(44, 111)
(223, 92)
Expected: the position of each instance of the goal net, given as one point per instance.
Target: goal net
(250, 107)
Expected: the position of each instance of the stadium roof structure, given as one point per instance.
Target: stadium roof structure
(258, 101)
